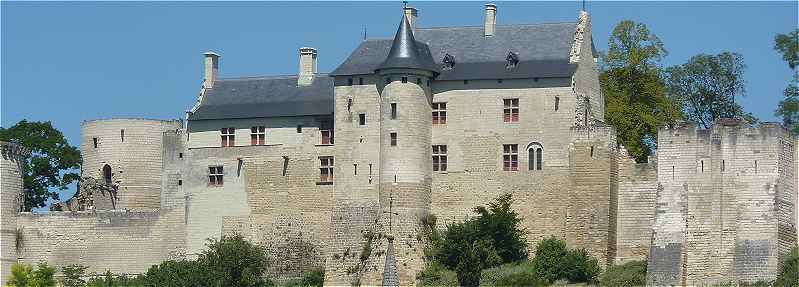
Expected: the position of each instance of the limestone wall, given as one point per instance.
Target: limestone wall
(635, 208)
(725, 204)
(120, 241)
(12, 157)
(133, 149)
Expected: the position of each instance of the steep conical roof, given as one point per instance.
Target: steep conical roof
(390, 277)
(405, 51)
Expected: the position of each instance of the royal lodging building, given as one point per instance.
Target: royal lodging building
(345, 170)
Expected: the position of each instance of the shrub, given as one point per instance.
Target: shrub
(73, 275)
(632, 273)
(435, 274)
(789, 273)
(580, 267)
(177, 273)
(512, 274)
(549, 255)
(315, 277)
(23, 275)
(233, 261)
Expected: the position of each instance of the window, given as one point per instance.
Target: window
(228, 137)
(419, 81)
(258, 135)
(510, 157)
(360, 81)
(499, 81)
(95, 142)
(361, 119)
(465, 82)
(326, 169)
(511, 110)
(393, 111)
(534, 157)
(326, 130)
(439, 158)
(215, 175)
(448, 62)
(180, 155)
(404, 79)
(349, 82)
(393, 139)
(557, 103)
(439, 113)
(512, 60)
(122, 135)
(299, 129)
(355, 168)
(107, 174)
(180, 182)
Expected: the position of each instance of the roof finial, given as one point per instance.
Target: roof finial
(404, 4)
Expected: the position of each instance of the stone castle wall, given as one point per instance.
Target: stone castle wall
(12, 157)
(134, 150)
(636, 193)
(725, 204)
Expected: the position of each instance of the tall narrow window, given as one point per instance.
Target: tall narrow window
(510, 157)
(535, 155)
(539, 155)
(299, 129)
(228, 137)
(439, 113)
(439, 158)
(258, 135)
(393, 139)
(107, 174)
(215, 174)
(349, 82)
(393, 111)
(360, 81)
(326, 169)
(404, 79)
(557, 103)
(361, 119)
(511, 110)
(95, 142)
(326, 130)
(122, 135)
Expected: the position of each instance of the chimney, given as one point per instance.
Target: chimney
(211, 68)
(410, 14)
(307, 66)
(491, 19)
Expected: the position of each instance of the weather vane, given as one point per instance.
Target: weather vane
(390, 210)
(404, 4)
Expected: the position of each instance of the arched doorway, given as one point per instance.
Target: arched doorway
(107, 174)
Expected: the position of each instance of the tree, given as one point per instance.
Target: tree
(234, 262)
(23, 275)
(53, 161)
(635, 99)
(73, 275)
(788, 108)
(706, 86)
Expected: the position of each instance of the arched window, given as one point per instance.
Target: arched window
(107, 175)
(535, 156)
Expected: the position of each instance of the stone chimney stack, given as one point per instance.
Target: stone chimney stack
(411, 14)
(211, 69)
(491, 19)
(307, 66)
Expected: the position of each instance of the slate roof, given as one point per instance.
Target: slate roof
(255, 97)
(405, 54)
(543, 51)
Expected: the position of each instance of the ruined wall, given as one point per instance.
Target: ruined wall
(636, 193)
(724, 205)
(586, 77)
(12, 156)
(120, 241)
(133, 149)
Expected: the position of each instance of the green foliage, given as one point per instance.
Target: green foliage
(580, 266)
(233, 261)
(112, 280)
(23, 275)
(789, 272)
(706, 86)
(512, 274)
(549, 255)
(178, 273)
(788, 46)
(435, 274)
(492, 238)
(635, 98)
(53, 162)
(312, 278)
(630, 274)
(73, 275)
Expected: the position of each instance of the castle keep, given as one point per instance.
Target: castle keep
(344, 170)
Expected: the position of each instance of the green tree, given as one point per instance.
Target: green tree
(549, 257)
(73, 275)
(234, 262)
(789, 272)
(178, 273)
(629, 274)
(635, 98)
(788, 108)
(706, 87)
(42, 276)
(21, 274)
(53, 162)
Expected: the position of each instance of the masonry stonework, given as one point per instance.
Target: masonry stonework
(12, 158)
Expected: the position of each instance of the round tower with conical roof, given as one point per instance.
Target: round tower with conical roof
(405, 145)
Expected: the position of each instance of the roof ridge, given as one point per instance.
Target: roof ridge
(498, 25)
(268, 77)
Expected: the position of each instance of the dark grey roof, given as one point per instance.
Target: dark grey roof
(543, 51)
(266, 97)
(404, 52)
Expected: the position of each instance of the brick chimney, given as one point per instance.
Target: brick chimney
(211, 68)
(411, 14)
(307, 66)
(491, 19)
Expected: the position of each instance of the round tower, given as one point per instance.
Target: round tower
(127, 153)
(11, 172)
(405, 146)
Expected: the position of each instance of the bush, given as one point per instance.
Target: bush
(513, 274)
(112, 280)
(581, 267)
(234, 262)
(435, 274)
(73, 275)
(315, 277)
(549, 255)
(632, 273)
(178, 273)
(789, 273)
(23, 275)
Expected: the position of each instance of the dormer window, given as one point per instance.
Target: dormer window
(449, 62)
(511, 60)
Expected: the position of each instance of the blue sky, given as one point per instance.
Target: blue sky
(69, 62)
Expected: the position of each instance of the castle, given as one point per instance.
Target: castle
(345, 170)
